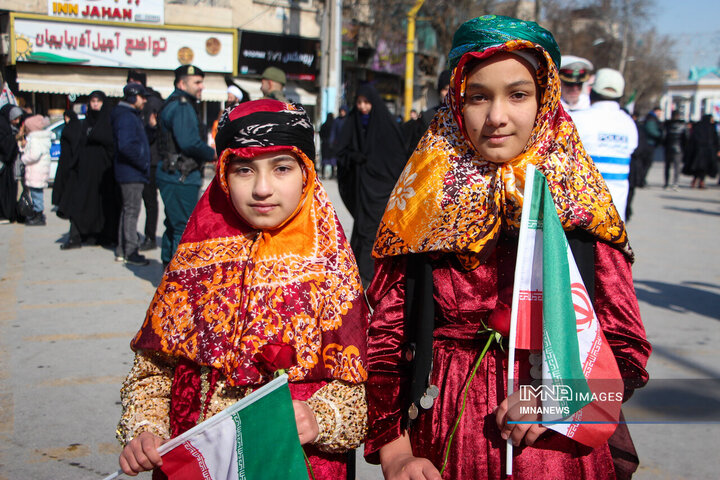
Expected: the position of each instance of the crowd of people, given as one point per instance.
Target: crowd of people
(259, 267)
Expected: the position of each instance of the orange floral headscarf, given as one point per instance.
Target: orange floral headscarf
(450, 199)
(230, 290)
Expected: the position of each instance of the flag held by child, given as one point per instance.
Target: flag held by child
(255, 438)
(580, 394)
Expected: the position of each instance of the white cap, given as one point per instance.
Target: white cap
(569, 61)
(609, 83)
(235, 91)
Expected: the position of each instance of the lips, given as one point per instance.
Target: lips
(263, 207)
(496, 139)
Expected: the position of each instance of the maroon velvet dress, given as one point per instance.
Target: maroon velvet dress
(463, 300)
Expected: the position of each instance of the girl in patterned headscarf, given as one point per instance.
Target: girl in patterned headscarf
(458, 203)
(263, 279)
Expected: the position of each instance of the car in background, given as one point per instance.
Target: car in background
(56, 129)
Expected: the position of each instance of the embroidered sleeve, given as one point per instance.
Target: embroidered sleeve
(341, 413)
(145, 397)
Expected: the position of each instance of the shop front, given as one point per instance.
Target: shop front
(60, 60)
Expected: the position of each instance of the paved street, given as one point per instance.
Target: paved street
(66, 319)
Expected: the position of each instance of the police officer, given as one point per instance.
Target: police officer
(183, 153)
(574, 72)
(609, 134)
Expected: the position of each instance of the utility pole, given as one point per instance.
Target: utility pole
(410, 58)
(331, 66)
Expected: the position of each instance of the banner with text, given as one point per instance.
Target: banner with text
(296, 56)
(46, 40)
(143, 11)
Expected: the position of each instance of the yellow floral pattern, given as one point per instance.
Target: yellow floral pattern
(461, 202)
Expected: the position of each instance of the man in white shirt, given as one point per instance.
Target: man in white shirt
(609, 134)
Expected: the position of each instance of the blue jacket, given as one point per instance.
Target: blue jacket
(132, 149)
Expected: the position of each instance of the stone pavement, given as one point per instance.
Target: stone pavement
(66, 319)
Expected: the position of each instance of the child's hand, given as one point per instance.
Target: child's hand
(517, 431)
(141, 454)
(399, 463)
(307, 426)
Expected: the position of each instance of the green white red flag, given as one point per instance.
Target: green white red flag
(577, 380)
(255, 438)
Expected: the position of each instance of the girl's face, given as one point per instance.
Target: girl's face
(265, 190)
(363, 105)
(501, 101)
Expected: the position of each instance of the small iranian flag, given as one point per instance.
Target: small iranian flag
(255, 438)
(577, 381)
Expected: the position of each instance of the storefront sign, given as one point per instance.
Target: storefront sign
(296, 56)
(45, 40)
(142, 11)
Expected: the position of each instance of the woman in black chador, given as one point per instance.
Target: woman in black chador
(371, 157)
(9, 120)
(701, 156)
(90, 197)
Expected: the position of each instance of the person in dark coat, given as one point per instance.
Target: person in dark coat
(371, 157)
(326, 153)
(10, 118)
(654, 134)
(701, 155)
(132, 168)
(150, 113)
(70, 139)
(675, 138)
(91, 198)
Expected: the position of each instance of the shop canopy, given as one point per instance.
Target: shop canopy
(73, 80)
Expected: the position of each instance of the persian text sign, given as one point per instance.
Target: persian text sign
(143, 11)
(90, 44)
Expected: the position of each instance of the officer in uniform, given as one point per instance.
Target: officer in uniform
(609, 134)
(272, 84)
(574, 72)
(183, 153)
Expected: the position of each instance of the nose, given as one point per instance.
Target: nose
(497, 114)
(262, 187)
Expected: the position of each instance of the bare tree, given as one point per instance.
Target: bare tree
(614, 34)
(389, 19)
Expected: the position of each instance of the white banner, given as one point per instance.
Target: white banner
(143, 11)
(88, 44)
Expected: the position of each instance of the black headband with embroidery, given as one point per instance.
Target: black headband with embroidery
(265, 123)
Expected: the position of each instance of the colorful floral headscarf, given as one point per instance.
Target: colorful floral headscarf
(231, 290)
(450, 199)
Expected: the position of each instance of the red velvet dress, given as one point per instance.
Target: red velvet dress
(463, 300)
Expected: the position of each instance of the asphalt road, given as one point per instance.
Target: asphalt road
(66, 319)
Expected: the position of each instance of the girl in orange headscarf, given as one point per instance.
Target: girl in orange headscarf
(458, 203)
(263, 279)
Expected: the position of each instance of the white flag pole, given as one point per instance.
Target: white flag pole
(522, 244)
(215, 419)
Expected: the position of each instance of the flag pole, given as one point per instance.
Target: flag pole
(522, 243)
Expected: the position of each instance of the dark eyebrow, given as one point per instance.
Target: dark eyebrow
(518, 83)
(283, 158)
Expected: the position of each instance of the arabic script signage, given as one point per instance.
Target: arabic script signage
(144, 11)
(44, 41)
(296, 56)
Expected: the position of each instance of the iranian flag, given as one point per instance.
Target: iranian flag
(577, 386)
(253, 439)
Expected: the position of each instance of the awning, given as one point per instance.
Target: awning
(68, 79)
